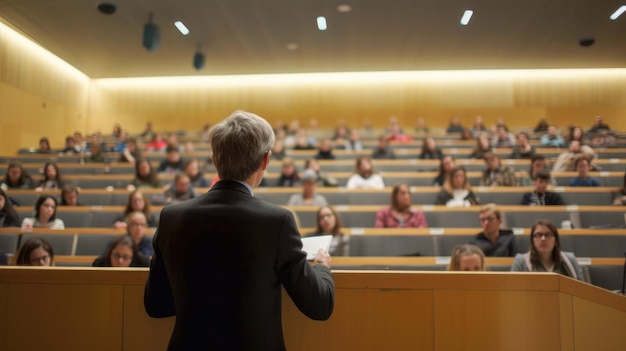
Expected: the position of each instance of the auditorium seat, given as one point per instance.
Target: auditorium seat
(608, 277)
(599, 245)
(603, 219)
(444, 219)
(392, 245)
(8, 243)
(104, 219)
(62, 244)
(89, 245)
(74, 219)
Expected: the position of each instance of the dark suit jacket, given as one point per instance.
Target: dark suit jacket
(219, 262)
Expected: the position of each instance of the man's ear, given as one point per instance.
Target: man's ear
(266, 160)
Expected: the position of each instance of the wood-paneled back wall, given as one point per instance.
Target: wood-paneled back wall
(40, 95)
(521, 97)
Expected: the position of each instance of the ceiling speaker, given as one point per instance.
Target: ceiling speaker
(198, 60)
(150, 36)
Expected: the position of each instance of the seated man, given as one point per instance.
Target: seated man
(181, 190)
(173, 163)
(496, 174)
(494, 242)
(383, 150)
(308, 197)
(503, 138)
(583, 167)
(539, 196)
(552, 139)
(565, 161)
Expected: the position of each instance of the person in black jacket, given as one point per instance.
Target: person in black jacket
(8, 215)
(539, 196)
(123, 252)
(494, 241)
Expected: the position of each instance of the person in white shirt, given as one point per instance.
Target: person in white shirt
(308, 197)
(45, 215)
(365, 176)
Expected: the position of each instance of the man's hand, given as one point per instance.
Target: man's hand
(322, 258)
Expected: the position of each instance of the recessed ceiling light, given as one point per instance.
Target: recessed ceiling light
(618, 12)
(292, 46)
(181, 28)
(467, 16)
(321, 23)
(344, 8)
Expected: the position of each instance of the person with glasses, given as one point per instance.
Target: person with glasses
(123, 252)
(494, 241)
(545, 253)
(35, 252)
(328, 223)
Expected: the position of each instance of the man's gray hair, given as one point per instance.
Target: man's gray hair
(239, 144)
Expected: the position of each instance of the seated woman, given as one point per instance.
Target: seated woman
(430, 151)
(35, 252)
(545, 253)
(467, 257)
(51, 177)
(8, 215)
(156, 144)
(192, 169)
(145, 176)
(537, 163)
(69, 195)
(329, 224)
(137, 201)
(456, 191)
(446, 165)
(123, 252)
(400, 214)
(45, 214)
(483, 146)
(16, 177)
(44, 146)
(365, 176)
(325, 151)
(131, 152)
(288, 174)
(180, 190)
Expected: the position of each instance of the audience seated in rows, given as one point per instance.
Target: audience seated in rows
(156, 144)
(383, 150)
(446, 165)
(503, 138)
(192, 170)
(354, 141)
(307, 197)
(497, 174)
(537, 163)
(69, 195)
(583, 166)
(576, 134)
(8, 215)
(328, 223)
(180, 190)
(288, 174)
(493, 240)
(137, 202)
(565, 161)
(365, 176)
(35, 252)
(455, 126)
(123, 252)
(173, 162)
(478, 127)
(540, 196)
(131, 152)
(400, 214)
(430, 151)
(457, 192)
(325, 151)
(467, 258)
(145, 176)
(523, 149)
(598, 126)
(70, 146)
(16, 177)
(45, 214)
(545, 253)
(483, 146)
(552, 139)
(323, 178)
(51, 177)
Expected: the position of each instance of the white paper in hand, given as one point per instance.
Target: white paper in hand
(312, 244)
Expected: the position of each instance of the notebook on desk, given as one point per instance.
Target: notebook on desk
(312, 244)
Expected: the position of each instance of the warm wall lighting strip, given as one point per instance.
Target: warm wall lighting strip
(618, 12)
(467, 16)
(181, 28)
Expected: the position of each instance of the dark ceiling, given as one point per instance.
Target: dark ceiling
(251, 36)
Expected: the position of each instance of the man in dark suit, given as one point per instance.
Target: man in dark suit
(220, 259)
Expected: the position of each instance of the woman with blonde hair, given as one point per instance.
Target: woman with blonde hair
(467, 257)
(456, 191)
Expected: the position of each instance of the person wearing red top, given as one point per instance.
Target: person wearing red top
(400, 214)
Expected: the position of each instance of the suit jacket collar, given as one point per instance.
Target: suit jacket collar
(231, 185)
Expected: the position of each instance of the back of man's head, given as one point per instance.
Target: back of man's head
(239, 144)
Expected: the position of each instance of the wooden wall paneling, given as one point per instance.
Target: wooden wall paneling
(140, 331)
(604, 326)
